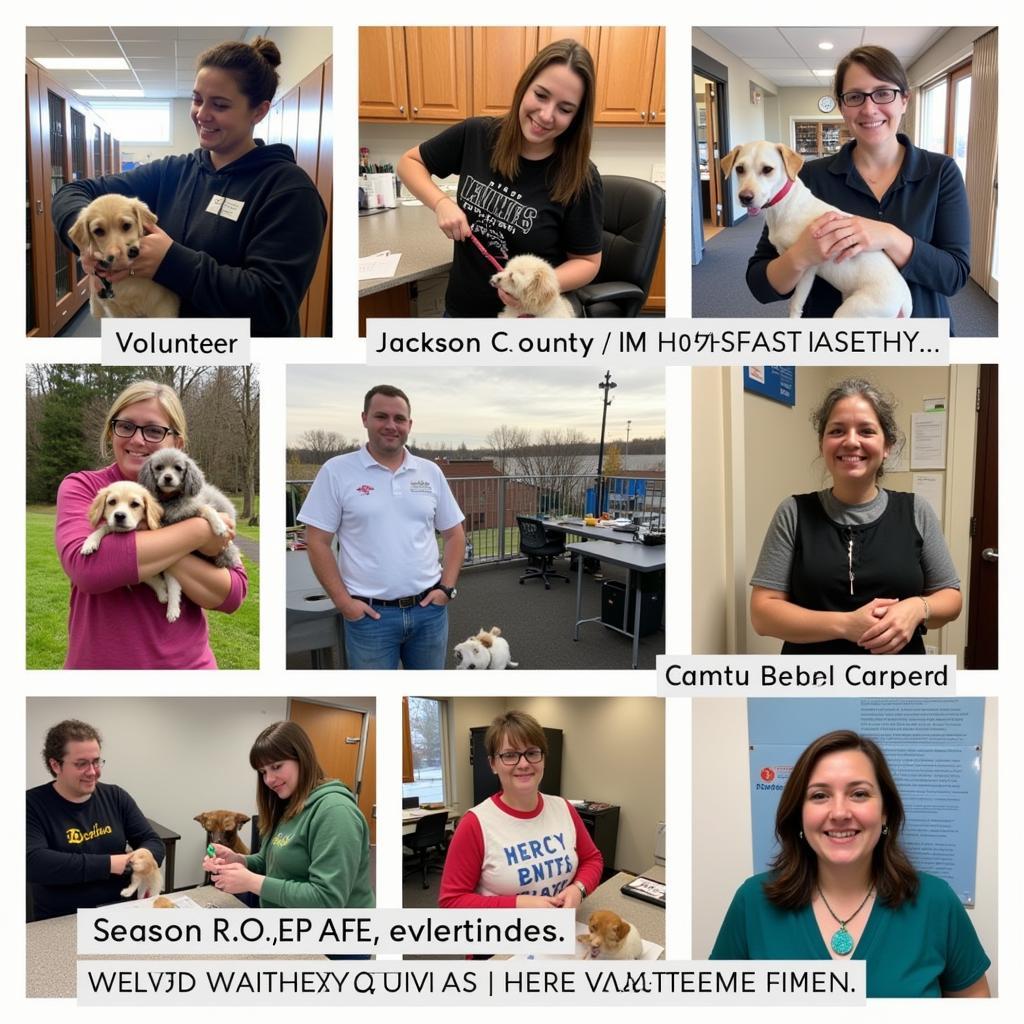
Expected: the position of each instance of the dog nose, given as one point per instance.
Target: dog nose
(108, 260)
(746, 198)
(119, 517)
(133, 251)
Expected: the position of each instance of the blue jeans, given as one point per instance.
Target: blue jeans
(417, 637)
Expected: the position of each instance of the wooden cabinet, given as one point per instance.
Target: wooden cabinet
(66, 141)
(819, 138)
(383, 85)
(656, 295)
(499, 56)
(627, 60)
(438, 65)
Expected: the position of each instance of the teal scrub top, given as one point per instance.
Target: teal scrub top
(923, 948)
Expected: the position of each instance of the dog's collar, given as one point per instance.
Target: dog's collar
(780, 195)
(525, 316)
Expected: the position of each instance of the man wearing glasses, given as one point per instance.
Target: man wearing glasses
(78, 828)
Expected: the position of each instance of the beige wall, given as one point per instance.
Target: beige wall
(302, 49)
(802, 105)
(951, 48)
(614, 750)
(722, 854)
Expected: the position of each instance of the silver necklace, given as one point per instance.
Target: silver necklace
(842, 941)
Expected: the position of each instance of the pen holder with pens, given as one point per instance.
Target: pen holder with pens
(379, 190)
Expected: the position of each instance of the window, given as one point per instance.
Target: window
(945, 114)
(428, 735)
(137, 121)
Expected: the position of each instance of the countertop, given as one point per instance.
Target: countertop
(412, 231)
(648, 918)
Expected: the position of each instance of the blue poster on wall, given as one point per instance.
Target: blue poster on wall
(934, 751)
(775, 382)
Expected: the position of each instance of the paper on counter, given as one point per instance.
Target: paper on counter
(181, 902)
(380, 264)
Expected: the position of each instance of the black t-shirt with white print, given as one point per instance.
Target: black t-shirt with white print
(510, 218)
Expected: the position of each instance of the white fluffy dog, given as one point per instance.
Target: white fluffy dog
(870, 283)
(531, 281)
(488, 650)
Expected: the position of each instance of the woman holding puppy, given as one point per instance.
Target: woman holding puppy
(113, 621)
(315, 845)
(519, 848)
(854, 569)
(240, 224)
(526, 183)
(898, 199)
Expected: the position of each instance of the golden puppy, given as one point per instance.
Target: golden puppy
(163, 903)
(122, 507)
(612, 938)
(110, 229)
(222, 827)
(146, 879)
(532, 282)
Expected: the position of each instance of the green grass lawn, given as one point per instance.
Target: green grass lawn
(234, 639)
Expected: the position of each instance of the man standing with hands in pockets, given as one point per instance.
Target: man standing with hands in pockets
(384, 505)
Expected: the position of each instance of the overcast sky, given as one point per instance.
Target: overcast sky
(466, 405)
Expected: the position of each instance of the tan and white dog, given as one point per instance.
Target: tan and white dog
(766, 176)
(612, 938)
(487, 650)
(146, 878)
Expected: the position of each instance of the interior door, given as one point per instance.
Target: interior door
(715, 183)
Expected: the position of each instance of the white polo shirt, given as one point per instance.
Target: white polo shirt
(385, 521)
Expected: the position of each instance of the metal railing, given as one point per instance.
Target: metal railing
(491, 504)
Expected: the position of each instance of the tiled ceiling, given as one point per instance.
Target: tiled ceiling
(790, 56)
(162, 60)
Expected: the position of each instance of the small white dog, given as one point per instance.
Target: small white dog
(766, 174)
(531, 281)
(122, 507)
(488, 650)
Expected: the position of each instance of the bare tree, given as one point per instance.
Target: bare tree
(556, 464)
(507, 443)
(324, 444)
(247, 400)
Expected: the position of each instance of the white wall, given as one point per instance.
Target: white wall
(722, 850)
(176, 756)
(953, 47)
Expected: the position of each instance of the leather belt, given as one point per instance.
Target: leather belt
(395, 602)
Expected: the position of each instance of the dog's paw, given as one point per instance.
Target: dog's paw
(126, 892)
(89, 547)
(173, 612)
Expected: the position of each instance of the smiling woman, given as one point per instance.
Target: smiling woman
(841, 884)
(526, 183)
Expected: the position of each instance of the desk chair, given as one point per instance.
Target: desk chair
(634, 221)
(541, 548)
(430, 835)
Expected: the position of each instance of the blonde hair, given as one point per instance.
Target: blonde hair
(143, 391)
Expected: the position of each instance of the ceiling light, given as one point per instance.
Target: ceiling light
(825, 46)
(827, 73)
(83, 63)
(110, 92)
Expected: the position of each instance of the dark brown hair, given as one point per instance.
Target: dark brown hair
(60, 735)
(883, 404)
(251, 64)
(795, 866)
(389, 392)
(882, 63)
(571, 168)
(518, 727)
(283, 741)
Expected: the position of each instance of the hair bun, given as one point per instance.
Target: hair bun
(268, 50)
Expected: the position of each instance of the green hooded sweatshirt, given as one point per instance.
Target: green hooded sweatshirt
(319, 858)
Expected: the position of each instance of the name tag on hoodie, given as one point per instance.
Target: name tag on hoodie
(220, 206)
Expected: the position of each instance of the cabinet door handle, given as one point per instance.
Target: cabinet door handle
(643, 115)
(654, 115)
(39, 206)
(990, 554)
(415, 110)
(401, 110)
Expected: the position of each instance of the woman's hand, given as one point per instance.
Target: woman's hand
(119, 863)
(537, 902)
(223, 855)
(217, 544)
(152, 250)
(451, 220)
(234, 878)
(814, 244)
(895, 626)
(570, 897)
(847, 236)
(508, 300)
(865, 618)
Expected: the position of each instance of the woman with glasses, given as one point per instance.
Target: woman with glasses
(907, 202)
(114, 622)
(519, 848)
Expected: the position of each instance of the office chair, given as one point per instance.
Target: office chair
(541, 548)
(634, 220)
(430, 835)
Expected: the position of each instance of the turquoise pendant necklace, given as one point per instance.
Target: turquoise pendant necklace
(842, 941)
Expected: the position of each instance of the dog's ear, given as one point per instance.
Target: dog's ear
(541, 289)
(96, 508)
(79, 231)
(728, 160)
(621, 930)
(241, 819)
(793, 161)
(494, 631)
(192, 479)
(154, 512)
(486, 640)
(147, 477)
(144, 216)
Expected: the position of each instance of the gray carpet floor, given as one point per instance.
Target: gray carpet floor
(719, 288)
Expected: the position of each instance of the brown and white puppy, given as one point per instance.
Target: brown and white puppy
(146, 879)
(222, 827)
(163, 903)
(109, 229)
(532, 282)
(122, 507)
(612, 938)
(487, 650)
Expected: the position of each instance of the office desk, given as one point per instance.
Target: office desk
(313, 623)
(590, 532)
(413, 814)
(412, 231)
(51, 960)
(637, 558)
(648, 918)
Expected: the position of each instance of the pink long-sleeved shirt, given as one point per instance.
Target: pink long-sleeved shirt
(115, 621)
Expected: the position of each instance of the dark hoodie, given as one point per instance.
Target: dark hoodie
(256, 262)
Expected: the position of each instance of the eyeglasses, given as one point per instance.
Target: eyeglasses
(510, 758)
(150, 432)
(879, 97)
(95, 764)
